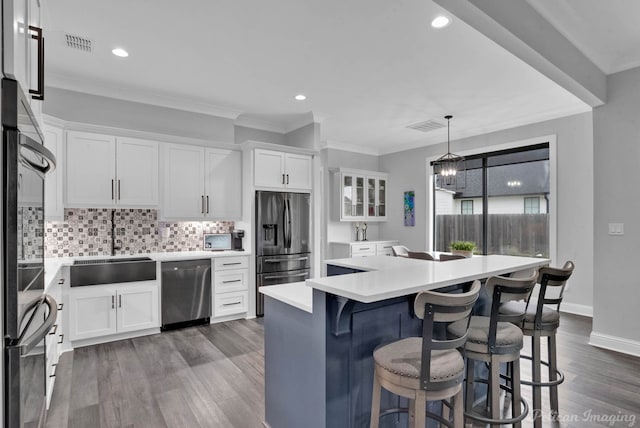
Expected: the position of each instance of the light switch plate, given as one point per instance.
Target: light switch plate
(616, 229)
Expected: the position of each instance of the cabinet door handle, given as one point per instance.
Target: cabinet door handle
(60, 306)
(282, 178)
(119, 194)
(61, 339)
(287, 178)
(38, 94)
(55, 369)
(231, 304)
(53, 330)
(61, 281)
(202, 204)
(231, 264)
(113, 302)
(230, 281)
(120, 301)
(207, 204)
(112, 189)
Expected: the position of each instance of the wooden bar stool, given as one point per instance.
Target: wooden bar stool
(542, 320)
(495, 340)
(423, 368)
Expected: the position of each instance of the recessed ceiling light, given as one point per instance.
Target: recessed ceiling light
(120, 52)
(300, 97)
(440, 22)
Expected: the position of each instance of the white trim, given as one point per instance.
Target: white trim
(253, 144)
(553, 188)
(336, 145)
(138, 95)
(576, 309)
(112, 338)
(614, 343)
(302, 121)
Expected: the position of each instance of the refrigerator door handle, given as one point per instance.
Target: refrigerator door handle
(286, 220)
(27, 344)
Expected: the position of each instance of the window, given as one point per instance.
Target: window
(500, 182)
(466, 207)
(532, 205)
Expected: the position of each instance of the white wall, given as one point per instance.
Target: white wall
(617, 174)
(408, 171)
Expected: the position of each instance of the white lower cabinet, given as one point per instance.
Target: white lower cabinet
(55, 339)
(230, 286)
(361, 249)
(103, 310)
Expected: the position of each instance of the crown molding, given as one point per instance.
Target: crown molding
(132, 133)
(79, 84)
(336, 145)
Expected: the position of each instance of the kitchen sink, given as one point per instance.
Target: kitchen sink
(110, 271)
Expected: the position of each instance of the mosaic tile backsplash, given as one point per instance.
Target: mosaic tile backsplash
(87, 232)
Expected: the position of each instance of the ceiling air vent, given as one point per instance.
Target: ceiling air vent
(427, 126)
(76, 42)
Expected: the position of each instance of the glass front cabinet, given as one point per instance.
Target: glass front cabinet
(363, 195)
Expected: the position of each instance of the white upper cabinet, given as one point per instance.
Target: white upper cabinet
(279, 170)
(183, 181)
(223, 183)
(105, 171)
(361, 195)
(23, 49)
(53, 205)
(201, 183)
(137, 172)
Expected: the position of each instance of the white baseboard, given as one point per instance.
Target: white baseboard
(614, 343)
(574, 308)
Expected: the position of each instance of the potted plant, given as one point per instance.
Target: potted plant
(464, 248)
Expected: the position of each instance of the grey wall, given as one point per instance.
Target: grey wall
(97, 110)
(336, 230)
(408, 171)
(617, 174)
(306, 137)
(243, 134)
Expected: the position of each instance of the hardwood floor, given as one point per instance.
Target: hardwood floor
(207, 376)
(213, 376)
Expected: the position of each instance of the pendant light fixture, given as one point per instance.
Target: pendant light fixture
(450, 168)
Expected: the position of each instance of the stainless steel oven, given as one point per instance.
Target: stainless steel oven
(28, 314)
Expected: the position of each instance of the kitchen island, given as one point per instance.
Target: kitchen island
(319, 364)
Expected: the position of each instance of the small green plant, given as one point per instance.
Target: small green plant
(462, 245)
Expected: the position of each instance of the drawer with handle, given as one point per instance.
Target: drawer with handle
(227, 263)
(231, 280)
(230, 303)
(362, 250)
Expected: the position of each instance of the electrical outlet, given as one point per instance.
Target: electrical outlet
(616, 229)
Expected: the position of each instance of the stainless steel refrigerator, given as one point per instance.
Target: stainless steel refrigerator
(283, 247)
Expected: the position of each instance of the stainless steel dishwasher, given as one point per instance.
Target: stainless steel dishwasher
(186, 293)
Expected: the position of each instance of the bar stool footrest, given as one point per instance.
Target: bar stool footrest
(428, 414)
(490, 421)
(545, 384)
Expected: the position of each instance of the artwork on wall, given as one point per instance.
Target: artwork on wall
(409, 208)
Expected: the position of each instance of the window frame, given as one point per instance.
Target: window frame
(464, 202)
(551, 200)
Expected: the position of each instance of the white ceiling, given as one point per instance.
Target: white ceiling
(368, 67)
(607, 32)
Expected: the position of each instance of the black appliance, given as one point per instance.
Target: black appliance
(283, 247)
(28, 314)
(186, 293)
(236, 240)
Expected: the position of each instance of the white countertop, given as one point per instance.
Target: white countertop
(388, 277)
(374, 241)
(52, 265)
(295, 294)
